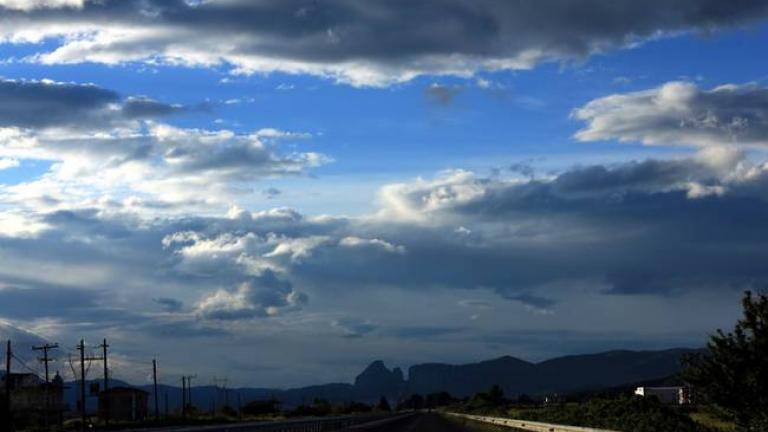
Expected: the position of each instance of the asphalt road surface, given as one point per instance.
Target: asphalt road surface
(414, 423)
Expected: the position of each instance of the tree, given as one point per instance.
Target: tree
(383, 405)
(733, 373)
(495, 396)
(435, 400)
(262, 407)
(414, 402)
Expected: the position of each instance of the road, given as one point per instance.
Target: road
(414, 423)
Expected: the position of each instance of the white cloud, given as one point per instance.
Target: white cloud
(357, 242)
(265, 296)
(418, 199)
(179, 167)
(27, 5)
(7, 163)
(680, 113)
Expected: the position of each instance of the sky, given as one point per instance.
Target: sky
(282, 191)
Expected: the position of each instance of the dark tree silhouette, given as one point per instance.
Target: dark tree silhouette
(383, 405)
(733, 373)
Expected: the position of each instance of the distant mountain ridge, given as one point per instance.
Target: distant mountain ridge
(558, 375)
(568, 374)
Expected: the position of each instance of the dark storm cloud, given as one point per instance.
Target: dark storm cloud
(43, 104)
(373, 42)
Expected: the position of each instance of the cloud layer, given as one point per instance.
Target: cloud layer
(354, 42)
(584, 239)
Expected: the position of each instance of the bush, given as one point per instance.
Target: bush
(262, 407)
(626, 414)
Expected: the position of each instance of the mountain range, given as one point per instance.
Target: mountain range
(563, 375)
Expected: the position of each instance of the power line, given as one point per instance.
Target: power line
(45, 359)
(23, 364)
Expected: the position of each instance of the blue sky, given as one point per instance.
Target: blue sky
(334, 184)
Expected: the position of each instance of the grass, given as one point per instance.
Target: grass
(712, 422)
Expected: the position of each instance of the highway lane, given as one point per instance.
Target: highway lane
(422, 422)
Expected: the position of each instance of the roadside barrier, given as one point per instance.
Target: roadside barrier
(527, 425)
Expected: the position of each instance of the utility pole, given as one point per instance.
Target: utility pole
(45, 359)
(104, 347)
(226, 392)
(154, 381)
(81, 348)
(183, 396)
(8, 355)
(189, 388)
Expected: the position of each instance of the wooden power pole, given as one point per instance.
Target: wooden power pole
(104, 347)
(81, 348)
(8, 355)
(154, 381)
(183, 396)
(45, 359)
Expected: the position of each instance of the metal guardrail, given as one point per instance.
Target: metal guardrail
(298, 425)
(527, 425)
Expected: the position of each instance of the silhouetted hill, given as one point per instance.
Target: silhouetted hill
(461, 380)
(596, 371)
(559, 375)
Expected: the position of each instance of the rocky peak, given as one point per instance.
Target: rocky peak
(377, 380)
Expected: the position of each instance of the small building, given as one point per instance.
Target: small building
(33, 401)
(554, 399)
(667, 395)
(123, 404)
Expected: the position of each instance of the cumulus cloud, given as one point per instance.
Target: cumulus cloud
(680, 113)
(101, 145)
(262, 296)
(352, 42)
